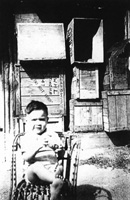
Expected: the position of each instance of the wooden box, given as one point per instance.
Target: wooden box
(85, 82)
(46, 84)
(85, 40)
(116, 110)
(41, 41)
(85, 116)
(117, 74)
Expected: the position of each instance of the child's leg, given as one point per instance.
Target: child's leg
(56, 187)
(57, 184)
(59, 170)
(37, 173)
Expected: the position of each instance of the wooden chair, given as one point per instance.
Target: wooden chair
(21, 190)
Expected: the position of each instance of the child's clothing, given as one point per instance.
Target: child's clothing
(46, 155)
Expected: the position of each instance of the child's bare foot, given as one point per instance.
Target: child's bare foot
(56, 188)
(59, 172)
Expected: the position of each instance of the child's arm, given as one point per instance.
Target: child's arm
(30, 149)
(57, 145)
(54, 141)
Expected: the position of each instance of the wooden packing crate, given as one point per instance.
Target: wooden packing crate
(85, 116)
(117, 74)
(116, 110)
(35, 82)
(41, 41)
(85, 40)
(85, 82)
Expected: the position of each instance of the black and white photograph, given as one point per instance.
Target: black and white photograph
(64, 99)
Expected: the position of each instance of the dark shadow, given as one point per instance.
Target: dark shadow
(120, 138)
(90, 192)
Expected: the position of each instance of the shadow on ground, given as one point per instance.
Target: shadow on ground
(120, 138)
(90, 192)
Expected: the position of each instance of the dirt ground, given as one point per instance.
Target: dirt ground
(104, 174)
(102, 184)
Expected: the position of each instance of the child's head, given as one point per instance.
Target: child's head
(37, 116)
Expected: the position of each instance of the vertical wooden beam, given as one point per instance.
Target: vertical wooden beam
(6, 91)
(11, 91)
(17, 92)
(127, 24)
(11, 44)
(1, 98)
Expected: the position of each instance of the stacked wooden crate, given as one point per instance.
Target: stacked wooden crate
(116, 94)
(42, 85)
(40, 72)
(83, 37)
(85, 116)
(85, 82)
(116, 110)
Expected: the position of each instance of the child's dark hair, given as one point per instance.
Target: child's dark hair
(36, 105)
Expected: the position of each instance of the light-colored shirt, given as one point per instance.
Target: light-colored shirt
(50, 140)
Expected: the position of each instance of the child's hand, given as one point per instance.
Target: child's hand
(60, 153)
(45, 142)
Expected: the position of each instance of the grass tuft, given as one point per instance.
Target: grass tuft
(118, 158)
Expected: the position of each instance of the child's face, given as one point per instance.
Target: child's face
(37, 121)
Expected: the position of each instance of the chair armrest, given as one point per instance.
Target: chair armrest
(16, 142)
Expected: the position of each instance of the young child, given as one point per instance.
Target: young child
(39, 149)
